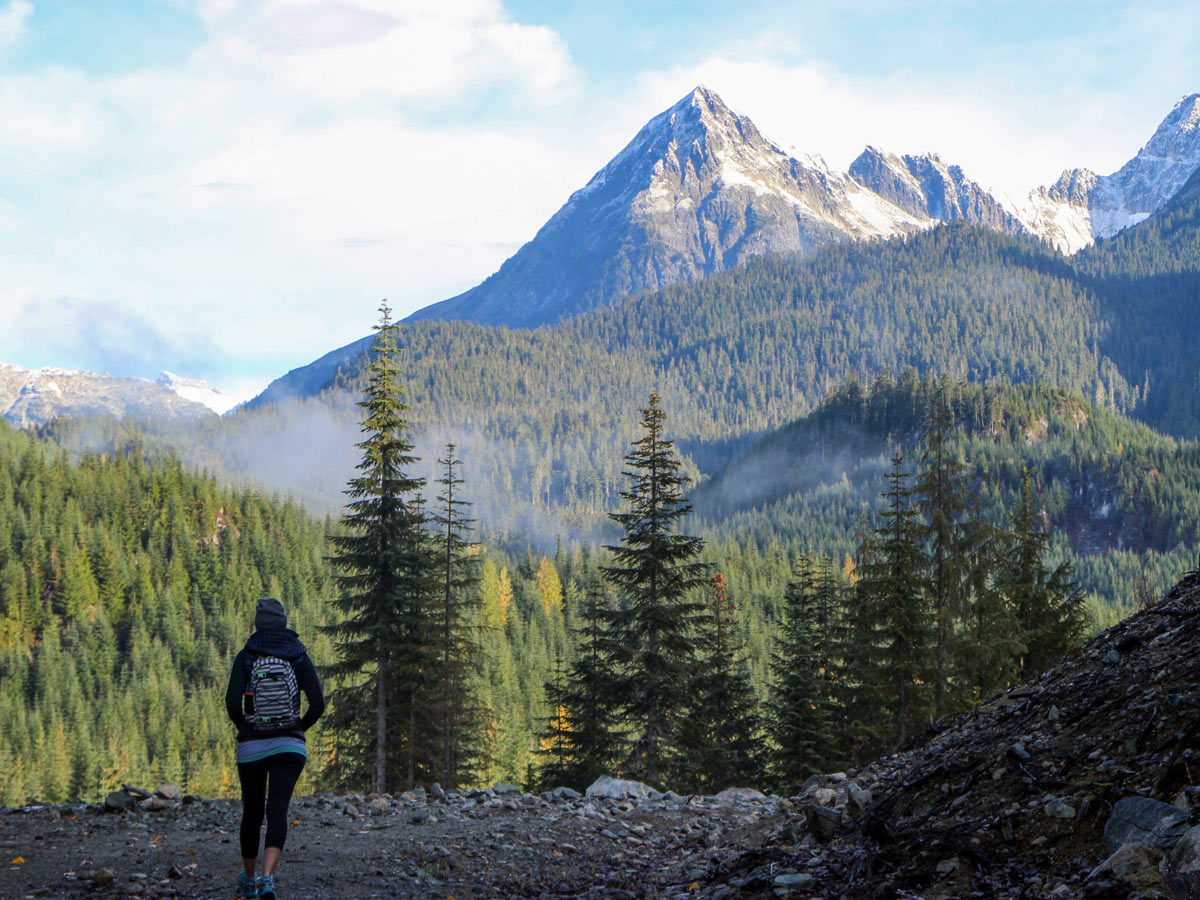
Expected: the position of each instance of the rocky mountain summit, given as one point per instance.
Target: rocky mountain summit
(31, 397)
(1078, 784)
(698, 190)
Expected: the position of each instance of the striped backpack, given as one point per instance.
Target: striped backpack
(272, 695)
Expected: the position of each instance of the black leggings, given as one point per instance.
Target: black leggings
(272, 795)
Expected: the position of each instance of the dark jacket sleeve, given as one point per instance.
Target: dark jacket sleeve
(311, 685)
(237, 687)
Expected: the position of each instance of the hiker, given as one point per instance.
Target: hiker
(263, 700)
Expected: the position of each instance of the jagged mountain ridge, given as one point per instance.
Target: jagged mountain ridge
(929, 189)
(699, 190)
(31, 397)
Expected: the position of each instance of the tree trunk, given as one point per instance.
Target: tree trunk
(381, 728)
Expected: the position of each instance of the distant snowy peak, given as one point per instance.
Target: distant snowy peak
(1082, 206)
(197, 391)
(31, 397)
(926, 187)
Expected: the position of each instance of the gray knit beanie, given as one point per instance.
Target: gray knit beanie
(269, 615)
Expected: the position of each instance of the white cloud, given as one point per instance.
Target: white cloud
(265, 193)
(12, 21)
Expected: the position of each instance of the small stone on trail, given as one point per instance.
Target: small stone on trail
(1058, 808)
(618, 789)
(740, 795)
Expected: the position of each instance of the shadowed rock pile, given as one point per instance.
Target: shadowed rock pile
(1080, 783)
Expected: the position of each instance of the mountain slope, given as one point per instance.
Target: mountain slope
(698, 190)
(1105, 482)
(35, 396)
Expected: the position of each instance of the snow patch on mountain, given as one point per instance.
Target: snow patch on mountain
(197, 391)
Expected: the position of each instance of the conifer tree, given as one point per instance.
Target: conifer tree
(721, 734)
(383, 565)
(1047, 604)
(798, 708)
(943, 497)
(585, 730)
(456, 646)
(895, 610)
(556, 749)
(991, 646)
(655, 573)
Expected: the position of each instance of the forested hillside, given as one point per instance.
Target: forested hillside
(126, 587)
(789, 384)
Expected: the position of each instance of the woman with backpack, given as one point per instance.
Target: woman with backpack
(263, 700)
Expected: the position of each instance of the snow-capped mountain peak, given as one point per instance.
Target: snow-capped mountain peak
(925, 186)
(1082, 206)
(697, 190)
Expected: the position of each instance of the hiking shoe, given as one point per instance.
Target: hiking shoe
(247, 887)
(266, 888)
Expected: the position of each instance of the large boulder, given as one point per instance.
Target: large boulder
(120, 801)
(1140, 820)
(606, 787)
(1185, 856)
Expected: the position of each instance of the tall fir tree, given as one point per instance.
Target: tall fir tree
(457, 647)
(798, 709)
(384, 575)
(721, 734)
(991, 646)
(942, 495)
(655, 574)
(1047, 604)
(585, 735)
(895, 610)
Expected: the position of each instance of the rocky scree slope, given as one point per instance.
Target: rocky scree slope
(1081, 783)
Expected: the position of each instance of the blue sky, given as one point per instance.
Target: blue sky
(227, 188)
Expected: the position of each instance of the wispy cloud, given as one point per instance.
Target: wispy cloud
(12, 21)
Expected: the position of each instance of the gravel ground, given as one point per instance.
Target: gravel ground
(490, 844)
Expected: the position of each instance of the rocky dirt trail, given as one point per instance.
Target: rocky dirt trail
(622, 842)
(1081, 783)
